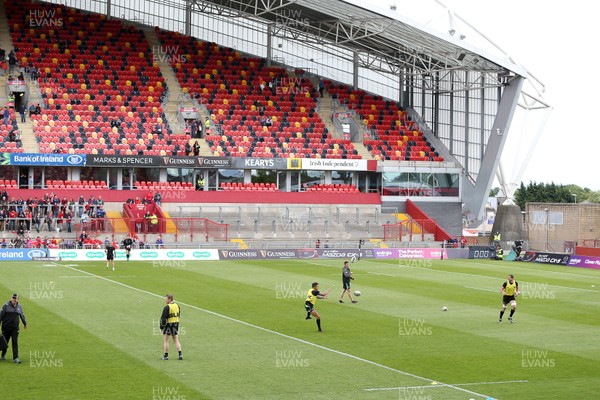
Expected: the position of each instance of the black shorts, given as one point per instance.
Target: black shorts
(346, 284)
(110, 258)
(171, 329)
(308, 306)
(508, 299)
(128, 248)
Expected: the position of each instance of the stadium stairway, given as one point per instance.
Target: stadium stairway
(416, 228)
(27, 134)
(379, 243)
(119, 225)
(324, 108)
(170, 225)
(175, 92)
(242, 244)
(325, 112)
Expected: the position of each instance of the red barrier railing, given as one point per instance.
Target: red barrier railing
(415, 212)
(175, 229)
(409, 230)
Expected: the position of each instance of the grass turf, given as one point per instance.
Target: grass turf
(93, 333)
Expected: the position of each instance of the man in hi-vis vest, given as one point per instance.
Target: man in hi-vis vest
(169, 325)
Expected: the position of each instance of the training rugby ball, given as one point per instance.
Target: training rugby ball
(444, 308)
(357, 293)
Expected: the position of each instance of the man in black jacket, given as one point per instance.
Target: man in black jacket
(9, 317)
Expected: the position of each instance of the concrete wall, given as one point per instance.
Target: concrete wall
(578, 223)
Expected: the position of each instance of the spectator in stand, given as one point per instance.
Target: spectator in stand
(196, 149)
(149, 197)
(85, 219)
(188, 149)
(318, 244)
(81, 203)
(157, 198)
(321, 86)
(463, 242)
(12, 219)
(159, 242)
(206, 126)
(21, 229)
(138, 224)
(6, 116)
(158, 129)
(12, 60)
(100, 215)
(33, 73)
(22, 112)
(32, 110)
(153, 222)
(193, 128)
(3, 244)
(200, 182)
(82, 238)
(147, 217)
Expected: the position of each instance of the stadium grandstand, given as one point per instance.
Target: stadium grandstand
(247, 123)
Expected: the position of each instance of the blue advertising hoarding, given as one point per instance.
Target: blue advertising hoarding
(59, 160)
(21, 254)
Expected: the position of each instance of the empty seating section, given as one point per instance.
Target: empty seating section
(333, 188)
(59, 184)
(8, 184)
(6, 145)
(238, 186)
(229, 84)
(163, 185)
(395, 136)
(100, 87)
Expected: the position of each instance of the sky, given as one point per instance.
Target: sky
(554, 42)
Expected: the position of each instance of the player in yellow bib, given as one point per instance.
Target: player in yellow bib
(510, 291)
(169, 325)
(311, 299)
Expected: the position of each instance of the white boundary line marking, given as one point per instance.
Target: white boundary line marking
(283, 335)
(533, 270)
(491, 277)
(380, 273)
(437, 385)
(487, 290)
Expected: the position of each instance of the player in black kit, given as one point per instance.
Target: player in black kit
(127, 243)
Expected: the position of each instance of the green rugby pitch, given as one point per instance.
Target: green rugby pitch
(93, 333)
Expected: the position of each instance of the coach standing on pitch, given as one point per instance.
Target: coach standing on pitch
(9, 317)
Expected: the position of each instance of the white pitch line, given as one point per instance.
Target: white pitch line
(545, 271)
(437, 385)
(487, 290)
(283, 335)
(379, 273)
(491, 277)
(93, 276)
